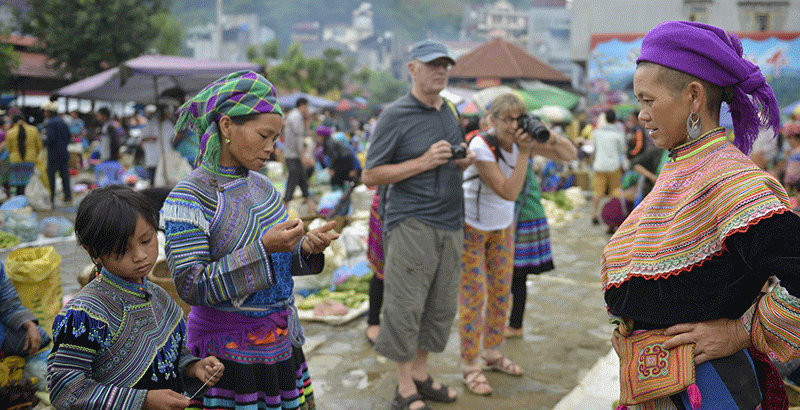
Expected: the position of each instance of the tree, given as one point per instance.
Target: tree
(170, 34)
(271, 49)
(7, 61)
(292, 72)
(85, 37)
(327, 73)
(385, 88)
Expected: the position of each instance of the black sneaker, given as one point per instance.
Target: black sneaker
(595, 221)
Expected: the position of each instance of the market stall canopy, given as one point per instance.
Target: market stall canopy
(152, 78)
(501, 59)
(457, 95)
(553, 113)
(347, 104)
(544, 95)
(792, 109)
(289, 101)
(485, 97)
(468, 108)
(533, 99)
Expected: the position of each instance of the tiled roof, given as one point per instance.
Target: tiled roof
(499, 58)
(33, 65)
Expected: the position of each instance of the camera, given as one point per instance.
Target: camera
(533, 126)
(459, 152)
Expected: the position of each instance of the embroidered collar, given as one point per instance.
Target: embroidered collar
(225, 172)
(691, 148)
(135, 289)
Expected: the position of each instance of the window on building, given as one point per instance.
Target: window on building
(697, 10)
(763, 15)
(762, 22)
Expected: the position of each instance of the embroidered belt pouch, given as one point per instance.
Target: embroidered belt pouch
(648, 371)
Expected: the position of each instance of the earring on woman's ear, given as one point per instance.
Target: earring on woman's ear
(227, 140)
(693, 126)
(96, 269)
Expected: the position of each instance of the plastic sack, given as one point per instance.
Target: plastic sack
(38, 195)
(8, 240)
(328, 201)
(15, 202)
(22, 222)
(36, 274)
(55, 227)
(177, 168)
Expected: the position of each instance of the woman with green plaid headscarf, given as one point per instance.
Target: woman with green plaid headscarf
(233, 251)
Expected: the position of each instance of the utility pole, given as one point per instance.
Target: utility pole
(219, 29)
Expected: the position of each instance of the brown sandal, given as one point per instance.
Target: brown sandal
(512, 332)
(404, 403)
(504, 365)
(476, 382)
(426, 390)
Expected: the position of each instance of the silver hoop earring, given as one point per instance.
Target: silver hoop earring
(693, 126)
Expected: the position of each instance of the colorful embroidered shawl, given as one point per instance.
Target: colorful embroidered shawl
(708, 191)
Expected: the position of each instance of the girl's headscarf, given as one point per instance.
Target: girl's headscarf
(237, 94)
(714, 55)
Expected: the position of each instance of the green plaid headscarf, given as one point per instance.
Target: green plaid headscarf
(237, 94)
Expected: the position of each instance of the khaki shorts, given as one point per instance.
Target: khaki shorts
(421, 274)
(605, 183)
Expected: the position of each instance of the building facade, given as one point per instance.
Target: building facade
(590, 17)
(238, 33)
(500, 19)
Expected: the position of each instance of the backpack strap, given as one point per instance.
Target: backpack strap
(494, 146)
(452, 107)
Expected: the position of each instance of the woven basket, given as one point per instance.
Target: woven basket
(161, 276)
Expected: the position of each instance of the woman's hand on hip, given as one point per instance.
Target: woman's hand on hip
(284, 236)
(713, 339)
(320, 238)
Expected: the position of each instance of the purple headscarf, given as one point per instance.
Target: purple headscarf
(714, 55)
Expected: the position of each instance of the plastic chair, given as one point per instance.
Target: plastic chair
(107, 173)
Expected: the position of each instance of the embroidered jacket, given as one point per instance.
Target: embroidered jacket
(114, 341)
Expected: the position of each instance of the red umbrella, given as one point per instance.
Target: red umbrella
(470, 108)
(344, 105)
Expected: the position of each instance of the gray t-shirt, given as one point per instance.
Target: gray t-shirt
(405, 130)
(293, 133)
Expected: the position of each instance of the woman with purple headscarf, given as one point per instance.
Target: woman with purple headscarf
(232, 250)
(692, 258)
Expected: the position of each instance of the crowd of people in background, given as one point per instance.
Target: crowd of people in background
(468, 188)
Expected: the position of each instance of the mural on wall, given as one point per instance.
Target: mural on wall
(612, 62)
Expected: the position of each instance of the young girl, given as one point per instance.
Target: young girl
(120, 342)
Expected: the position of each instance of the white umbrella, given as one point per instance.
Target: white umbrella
(553, 113)
(485, 97)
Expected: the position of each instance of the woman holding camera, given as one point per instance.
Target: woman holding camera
(491, 185)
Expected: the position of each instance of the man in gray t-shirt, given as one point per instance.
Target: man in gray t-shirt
(411, 153)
